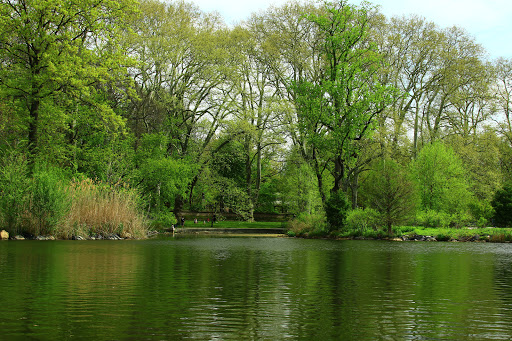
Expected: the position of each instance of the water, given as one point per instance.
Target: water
(242, 288)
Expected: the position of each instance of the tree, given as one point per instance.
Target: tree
(256, 98)
(186, 57)
(441, 179)
(390, 192)
(340, 108)
(53, 51)
(502, 204)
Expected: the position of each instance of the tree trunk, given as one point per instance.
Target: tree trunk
(354, 188)
(248, 178)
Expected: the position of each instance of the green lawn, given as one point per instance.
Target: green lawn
(239, 224)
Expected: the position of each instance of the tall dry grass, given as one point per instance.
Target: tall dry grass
(99, 209)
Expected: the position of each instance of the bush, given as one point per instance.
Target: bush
(431, 218)
(49, 201)
(502, 204)
(363, 219)
(460, 219)
(482, 222)
(14, 192)
(309, 225)
(164, 219)
(336, 209)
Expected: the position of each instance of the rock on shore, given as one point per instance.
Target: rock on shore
(4, 235)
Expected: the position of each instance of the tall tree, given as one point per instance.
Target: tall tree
(340, 108)
(60, 47)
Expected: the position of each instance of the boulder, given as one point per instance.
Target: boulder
(4, 235)
(18, 237)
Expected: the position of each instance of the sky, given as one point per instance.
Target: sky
(488, 21)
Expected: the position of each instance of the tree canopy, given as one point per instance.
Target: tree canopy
(294, 110)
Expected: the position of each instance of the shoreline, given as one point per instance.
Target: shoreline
(275, 232)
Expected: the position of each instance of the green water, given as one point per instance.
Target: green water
(225, 288)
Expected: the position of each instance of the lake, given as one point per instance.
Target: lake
(254, 288)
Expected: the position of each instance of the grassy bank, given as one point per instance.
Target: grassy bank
(225, 224)
(488, 234)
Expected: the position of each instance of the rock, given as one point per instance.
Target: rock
(78, 238)
(45, 238)
(4, 235)
(18, 237)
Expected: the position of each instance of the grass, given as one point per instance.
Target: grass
(445, 234)
(98, 209)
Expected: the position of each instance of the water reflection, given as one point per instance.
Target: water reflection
(255, 288)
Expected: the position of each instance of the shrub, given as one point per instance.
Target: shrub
(49, 201)
(336, 209)
(482, 222)
(164, 219)
(497, 238)
(443, 237)
(308, 225)
(502, 204)
(14, 191)
(431, 218)
(363, 219)
(460, 219)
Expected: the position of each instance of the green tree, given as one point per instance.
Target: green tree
(441, 179)
(502, 204)
(160, 176)
(58, 50)
(340, 108)
(390, 192)
(298, 187)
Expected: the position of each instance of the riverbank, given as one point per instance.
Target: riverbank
(489, 234)
(4, 235)
(418, 233)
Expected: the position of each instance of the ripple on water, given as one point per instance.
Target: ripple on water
(256, 288)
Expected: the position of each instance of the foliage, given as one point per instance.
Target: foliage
(163, 220)
(431, 218)
(14, 191)
(298, 188)
(336, 210)
(502, 204)
(391, 193)
(59, 50)
(160, 177)
(287, 111)
(49, 200)
(436, 219)
(308, 225)
(441, 179)
(363, 219)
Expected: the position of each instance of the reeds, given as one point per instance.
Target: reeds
(99, 209)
